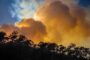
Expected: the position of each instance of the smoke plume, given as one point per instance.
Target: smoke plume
(65, 24)
(58, 22)
(34, 30)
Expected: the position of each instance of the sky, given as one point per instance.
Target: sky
(6, 5)
(5, 16)
(84, 3)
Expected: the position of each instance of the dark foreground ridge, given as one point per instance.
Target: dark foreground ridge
(18, 47)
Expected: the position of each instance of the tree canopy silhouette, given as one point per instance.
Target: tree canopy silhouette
(21, 48)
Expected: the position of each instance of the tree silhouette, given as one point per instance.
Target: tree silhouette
(13, 36)
(2, 36)
(20, 48)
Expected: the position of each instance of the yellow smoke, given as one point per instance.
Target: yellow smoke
(64, 24)
(32, 29)
(56, 23)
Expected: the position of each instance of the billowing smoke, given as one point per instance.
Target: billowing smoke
(23, 9)
(34, 30)
(65, 24)
(58, 21)
(8, 28)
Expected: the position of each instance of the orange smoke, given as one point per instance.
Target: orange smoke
(56, 22)
(34, 30)
(8, 28)
(65, 24)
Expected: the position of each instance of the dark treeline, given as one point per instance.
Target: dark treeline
(18, 47)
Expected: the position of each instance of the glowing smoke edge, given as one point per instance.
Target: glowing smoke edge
(24, 9)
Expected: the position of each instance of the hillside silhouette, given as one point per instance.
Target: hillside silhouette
(18, 47)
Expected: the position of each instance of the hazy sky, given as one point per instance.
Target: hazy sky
(5, 16)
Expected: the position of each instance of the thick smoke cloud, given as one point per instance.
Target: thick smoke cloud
(58, 21)
(65, 24)
(34, 30)
(8, 28)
